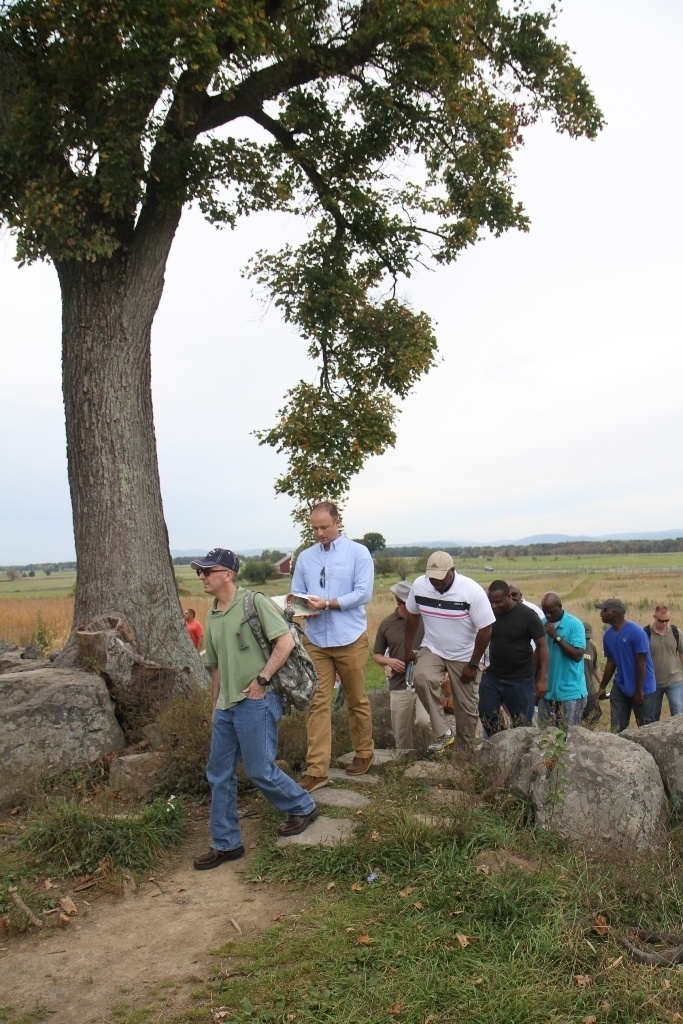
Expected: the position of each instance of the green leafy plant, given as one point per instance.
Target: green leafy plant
(80, 836)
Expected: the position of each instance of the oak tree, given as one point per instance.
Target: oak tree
(388, 125)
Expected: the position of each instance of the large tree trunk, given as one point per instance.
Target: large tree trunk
(124, 562)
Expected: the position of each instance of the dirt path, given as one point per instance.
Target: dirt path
(121, 949)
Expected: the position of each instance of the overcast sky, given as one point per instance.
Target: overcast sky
(555, 408)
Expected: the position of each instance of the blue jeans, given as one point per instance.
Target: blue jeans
(516, 694)
(621, 706)
(674, 695)
(560, 713)
(248, 730)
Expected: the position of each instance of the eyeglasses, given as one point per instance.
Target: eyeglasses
(322, 577)
(207, 572)
(663, 621)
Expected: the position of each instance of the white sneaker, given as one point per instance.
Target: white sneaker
(443, 741)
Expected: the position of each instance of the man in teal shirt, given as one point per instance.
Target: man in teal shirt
(565, 700)
(245, 710)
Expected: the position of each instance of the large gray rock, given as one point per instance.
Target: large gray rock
(664, 740)
(53, 720)
(593, 790)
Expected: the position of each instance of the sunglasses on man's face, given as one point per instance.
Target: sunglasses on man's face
(207, 572)
(662, 621)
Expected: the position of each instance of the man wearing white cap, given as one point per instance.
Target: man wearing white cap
(457, 618)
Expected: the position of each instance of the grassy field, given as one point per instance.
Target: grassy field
(640, 580)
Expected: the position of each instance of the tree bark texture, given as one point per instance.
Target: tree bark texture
(122, 550)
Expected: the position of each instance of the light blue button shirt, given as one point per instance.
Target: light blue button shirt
(349, 575)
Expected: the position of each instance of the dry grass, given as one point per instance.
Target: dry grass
(20, 617)
(641, 592)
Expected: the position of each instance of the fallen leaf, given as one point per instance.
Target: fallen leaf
(349, 929)
(362, 940)
(235, 925)
(253, 846)
(64, 918)
(605, 1006)
(396, 1009)
(479, 981)
(68, 906)
(374, 836)
(666, 983)
(356, 887)
(406, 892)
(428, 1020)
(47, 884)
(219, 1015)
(419, 906)
(483, 869)
(330, 885)
(278, 917)
(600, 924)
(462, 940)
(582, 980)
(590, 1020)
(181, 888)
(456, 913)
(15, 810)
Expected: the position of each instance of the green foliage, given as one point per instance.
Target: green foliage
(256, 571)
(43, 637)
(79, 837)
(389, 126)
(372, 541)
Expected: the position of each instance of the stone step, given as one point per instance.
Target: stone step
(339, 775)
(338, 797)
(323, 832)
(382, 756)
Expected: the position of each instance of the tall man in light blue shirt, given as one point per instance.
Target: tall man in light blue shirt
(337, 576)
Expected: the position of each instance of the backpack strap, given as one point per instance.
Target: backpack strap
(251, 619)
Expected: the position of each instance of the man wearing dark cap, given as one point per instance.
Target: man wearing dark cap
(388, 652)
(629, 661)
(245, 710)
(457, 620)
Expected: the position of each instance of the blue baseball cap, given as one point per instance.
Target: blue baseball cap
(218, 556)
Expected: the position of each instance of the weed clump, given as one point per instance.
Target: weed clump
(80, 837)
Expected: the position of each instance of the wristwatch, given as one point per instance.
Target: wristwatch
(557, 639)
(262, 682)
(474, 665)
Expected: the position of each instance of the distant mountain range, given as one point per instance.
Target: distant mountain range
(536, 538)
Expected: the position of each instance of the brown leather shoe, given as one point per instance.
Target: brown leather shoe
(297, 823)
(360, 765)
(311, 782)
(215, 857)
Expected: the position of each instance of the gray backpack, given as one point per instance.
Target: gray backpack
(296, 682)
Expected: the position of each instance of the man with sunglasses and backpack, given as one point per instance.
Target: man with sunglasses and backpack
(245, 709)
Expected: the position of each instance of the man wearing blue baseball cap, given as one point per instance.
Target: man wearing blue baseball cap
(245, 711)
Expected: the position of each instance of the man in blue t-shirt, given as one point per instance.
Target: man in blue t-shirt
(627, 650)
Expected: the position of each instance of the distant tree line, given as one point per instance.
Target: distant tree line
(574, 548)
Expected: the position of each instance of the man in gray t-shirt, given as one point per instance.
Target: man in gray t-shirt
(666, 648)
